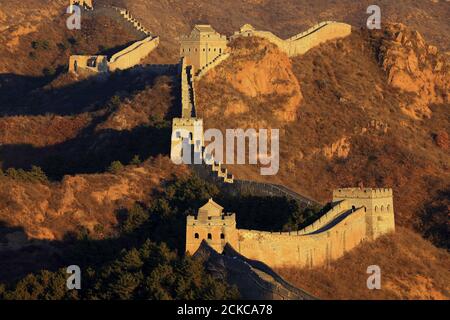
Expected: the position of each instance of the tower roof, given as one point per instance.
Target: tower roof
(204, 31)
(210, 209)
(247, 27)
(204, 28)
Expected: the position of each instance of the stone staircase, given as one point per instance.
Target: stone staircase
(214, 63)
(133, 21)
(217, 169)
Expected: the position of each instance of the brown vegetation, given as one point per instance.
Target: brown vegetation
(350, 129)
(283, 17)
(411, 268)
(254, 87)
(51, 211)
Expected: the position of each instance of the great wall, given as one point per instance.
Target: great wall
(127, 58)
(302, 42)
(357, 214)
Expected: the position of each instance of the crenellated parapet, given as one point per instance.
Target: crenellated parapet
(362, 193)
(127, 58)
(302, 42)
(342, 228)
(86, 4)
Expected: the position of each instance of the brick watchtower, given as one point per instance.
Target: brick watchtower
(378, 204)
(212, 225)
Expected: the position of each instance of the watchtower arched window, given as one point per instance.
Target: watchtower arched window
(209, 236)
(196, 236)
(388, 208)
(222, 236)
(382, 208)
(376, 208)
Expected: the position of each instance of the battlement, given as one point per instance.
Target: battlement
(226, 219)
(88, 4)
(302, 42)
(90, 64)
(127, 58)
(186, 122)
(211, 225)
(362, 193)
(202, 46)
(348, 223)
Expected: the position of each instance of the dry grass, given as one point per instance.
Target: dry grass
(41, 131)
(345, 92)
(52, 210)
(411, 268)
(283, 17)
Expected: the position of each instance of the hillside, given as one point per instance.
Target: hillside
(339, 137)
(84, 166)
(418, 271)
(171, 18)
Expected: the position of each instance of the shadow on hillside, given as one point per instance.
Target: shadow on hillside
(23, 95)
(83, 248)
(88, 153)
(20, 255)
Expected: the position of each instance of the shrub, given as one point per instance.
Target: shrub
(62, 46)
(133, 219)
(49, 72)
(136, 160)
(36, 174)
(115, 167)
(72, 41)
(32, 55)
(45, 44)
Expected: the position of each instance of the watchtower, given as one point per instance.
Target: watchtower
(202, 46)
(212, 225)
(187, 136)
(378, 205)
(82, 3)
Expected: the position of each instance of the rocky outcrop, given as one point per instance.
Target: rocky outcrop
(415, 67)
(338, 149)
(257, 71)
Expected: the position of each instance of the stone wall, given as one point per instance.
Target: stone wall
(124, 59)
(218, 60)
(129, 17)
(349, 222)
(303, 42)
(82, 3)
(255, 280)
(88, 64)
(202, 46)
(132, 55)
(304, 250)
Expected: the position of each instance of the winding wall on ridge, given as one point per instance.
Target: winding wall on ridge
(302, 42)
